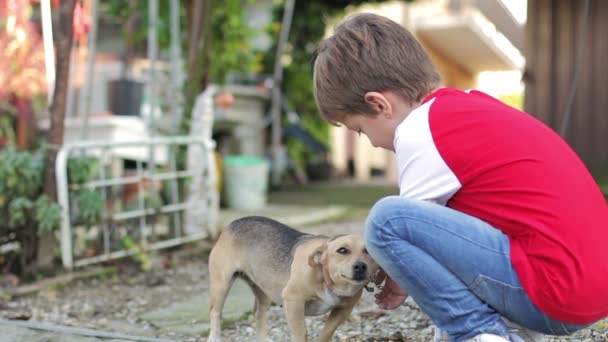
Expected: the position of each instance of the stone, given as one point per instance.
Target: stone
(191, 317)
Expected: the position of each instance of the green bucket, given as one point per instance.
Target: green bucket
(245, 182)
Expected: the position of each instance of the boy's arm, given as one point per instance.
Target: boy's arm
(423, 174)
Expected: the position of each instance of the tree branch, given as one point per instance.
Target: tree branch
(63, 48)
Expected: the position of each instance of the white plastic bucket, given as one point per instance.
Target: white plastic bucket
(245, 182)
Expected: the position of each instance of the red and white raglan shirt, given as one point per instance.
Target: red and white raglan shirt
(474, 154)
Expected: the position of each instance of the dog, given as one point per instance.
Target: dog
(310, 275)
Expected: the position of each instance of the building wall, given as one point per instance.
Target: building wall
(553, 42)
(452, 74)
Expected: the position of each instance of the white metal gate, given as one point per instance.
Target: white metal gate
(120, 222)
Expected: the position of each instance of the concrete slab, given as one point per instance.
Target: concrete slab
(13, 333)
(31, 331)
(124, 326)
(191, 317)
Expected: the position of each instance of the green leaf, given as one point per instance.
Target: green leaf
(90, 206)
(82, 169)
(48, 214)
(18, 211)
(21, 172)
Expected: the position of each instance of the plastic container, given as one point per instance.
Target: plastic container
(125, 96)
(245, 182)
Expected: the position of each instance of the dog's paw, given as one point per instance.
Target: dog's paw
(214, 339)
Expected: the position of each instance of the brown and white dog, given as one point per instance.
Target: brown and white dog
(309, 274)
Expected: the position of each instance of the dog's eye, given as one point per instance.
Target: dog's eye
(342, 250)
(365, 251)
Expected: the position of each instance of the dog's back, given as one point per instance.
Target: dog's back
(267, 241)
(255, 246)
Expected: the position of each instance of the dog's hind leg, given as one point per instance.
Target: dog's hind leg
(220, 281)
(262, 305)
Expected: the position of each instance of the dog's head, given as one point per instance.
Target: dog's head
(346, 265)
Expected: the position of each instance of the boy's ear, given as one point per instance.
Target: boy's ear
(318, 256)
(378, 102)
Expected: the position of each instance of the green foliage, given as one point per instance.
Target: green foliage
(230, 35)
(7, 133)
(21, 200)
(230, 49)
(139, 254)
(18, 210)
(89, 202)
(82, 169)
(20, 173)
(47, 215)
(121, 10)
(90, 206)
(25, 212)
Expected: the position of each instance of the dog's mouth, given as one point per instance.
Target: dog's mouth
(356, 279)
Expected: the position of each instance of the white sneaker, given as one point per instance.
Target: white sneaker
(488, 338)
(525, 335)
(439, 335)
(517, 333)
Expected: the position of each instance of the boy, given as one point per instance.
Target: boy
(497, 216)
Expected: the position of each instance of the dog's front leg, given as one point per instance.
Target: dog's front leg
(294, 311)
(336, 317)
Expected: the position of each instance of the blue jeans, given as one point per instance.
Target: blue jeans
(456, 267)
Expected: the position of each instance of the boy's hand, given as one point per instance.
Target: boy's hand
(391, 295)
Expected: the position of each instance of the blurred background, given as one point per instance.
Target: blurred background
(130, 125)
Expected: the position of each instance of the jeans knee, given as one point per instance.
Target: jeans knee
(378, 215)
(383, 208)
(390, 216)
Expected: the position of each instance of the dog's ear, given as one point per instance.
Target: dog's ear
(318, 256)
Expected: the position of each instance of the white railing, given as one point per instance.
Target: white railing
(193, 214)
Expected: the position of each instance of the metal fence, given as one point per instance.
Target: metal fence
(150, 224)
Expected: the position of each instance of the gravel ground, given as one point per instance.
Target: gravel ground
(116, 302)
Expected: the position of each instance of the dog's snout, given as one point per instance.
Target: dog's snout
(360, 267)
(359, 271)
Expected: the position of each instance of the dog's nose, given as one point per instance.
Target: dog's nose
(360, 267)
(359, 270)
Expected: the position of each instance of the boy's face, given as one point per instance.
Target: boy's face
(379, 130)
